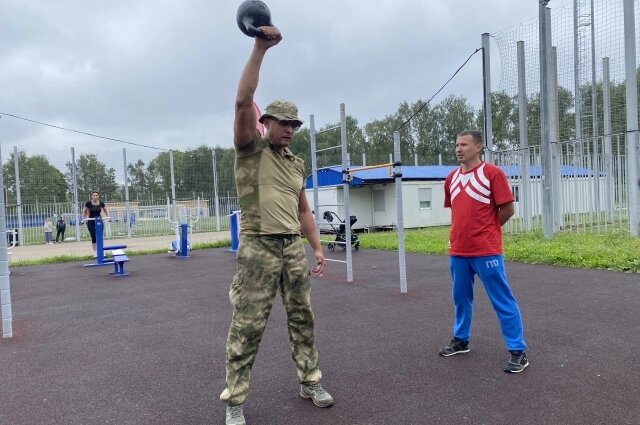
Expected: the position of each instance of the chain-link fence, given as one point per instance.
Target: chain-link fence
(587, 201)
(591, 183)
(146, 192)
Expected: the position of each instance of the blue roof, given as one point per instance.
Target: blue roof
(333, 176)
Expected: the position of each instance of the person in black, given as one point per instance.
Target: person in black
(61, 226)
(93, 209)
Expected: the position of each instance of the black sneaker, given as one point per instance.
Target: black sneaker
(517, 363)
(455, 347)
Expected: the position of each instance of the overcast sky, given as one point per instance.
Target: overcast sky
(164, 72)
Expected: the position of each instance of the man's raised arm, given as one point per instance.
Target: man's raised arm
(244, 126)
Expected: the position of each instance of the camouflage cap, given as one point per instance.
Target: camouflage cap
(281, 110)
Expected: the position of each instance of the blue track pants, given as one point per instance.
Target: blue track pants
(491, 271)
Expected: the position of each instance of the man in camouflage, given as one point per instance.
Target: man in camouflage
(271, 257)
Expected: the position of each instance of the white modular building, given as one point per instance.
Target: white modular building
(373, 198)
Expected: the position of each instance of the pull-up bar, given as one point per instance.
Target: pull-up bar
(329, 148)
(349, 171)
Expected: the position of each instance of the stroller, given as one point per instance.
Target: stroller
(340, 232)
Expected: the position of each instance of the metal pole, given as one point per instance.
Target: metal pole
(314, 172)
(397, 174)
(576, 77)
(545, 119)
(5, 284)
(74, 190)
(594, 118)
(215, 188)
(608, 164)
(486, 92)
(632, 114)
(364, 159)
(127, 206)
(16, 165)
(555, 138)
(345, 188)
(525, 188)
(173, 182)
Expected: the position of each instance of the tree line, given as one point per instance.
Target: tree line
(430, 135)
(41, 182)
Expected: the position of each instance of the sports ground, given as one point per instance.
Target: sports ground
(88, 348)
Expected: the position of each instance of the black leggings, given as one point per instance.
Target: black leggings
(58, 233)
(91, 226)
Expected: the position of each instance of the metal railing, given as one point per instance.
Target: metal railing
(590, 186)
(26, 223)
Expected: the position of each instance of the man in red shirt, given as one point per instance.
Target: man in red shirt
(481, 202)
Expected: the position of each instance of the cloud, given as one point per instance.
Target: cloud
(165, 72)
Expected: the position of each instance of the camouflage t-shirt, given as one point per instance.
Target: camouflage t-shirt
(269, 186)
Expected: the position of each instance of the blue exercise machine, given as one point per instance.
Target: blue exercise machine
(234, 220)
(118, 255)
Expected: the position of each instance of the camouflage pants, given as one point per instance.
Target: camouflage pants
(266, 264)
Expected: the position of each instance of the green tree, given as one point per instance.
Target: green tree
(379, 134)
(39, 180)
(154, 186)
(329, 136)
(424, 127)
(193, 174)
(196, 173)
(225, 159)
(504, 120)
(566, 115)
(453, 115)
(93, 175)
(357, 142)
(138, 182)
(159, 170)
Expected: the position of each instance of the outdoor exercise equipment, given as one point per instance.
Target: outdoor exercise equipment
(234, 227)
(118, 255)
(347, 171)
(314, 177)
(183, 226)
(12, 238)
(251, 15)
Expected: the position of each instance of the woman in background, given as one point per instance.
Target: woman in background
(92, 210)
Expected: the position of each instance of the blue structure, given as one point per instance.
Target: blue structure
(333, 176)
(184, 241)
(118, 258)
(234, 219)
(180, 246)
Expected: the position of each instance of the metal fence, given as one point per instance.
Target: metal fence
(569, 88)
(592, 194)
(146, 191)
(27, 221)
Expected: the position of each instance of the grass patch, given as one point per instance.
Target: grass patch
(581, 250)
(48, 260)
(585, 251)
(70, 258)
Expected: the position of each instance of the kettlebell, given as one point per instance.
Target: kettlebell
(251, 15)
